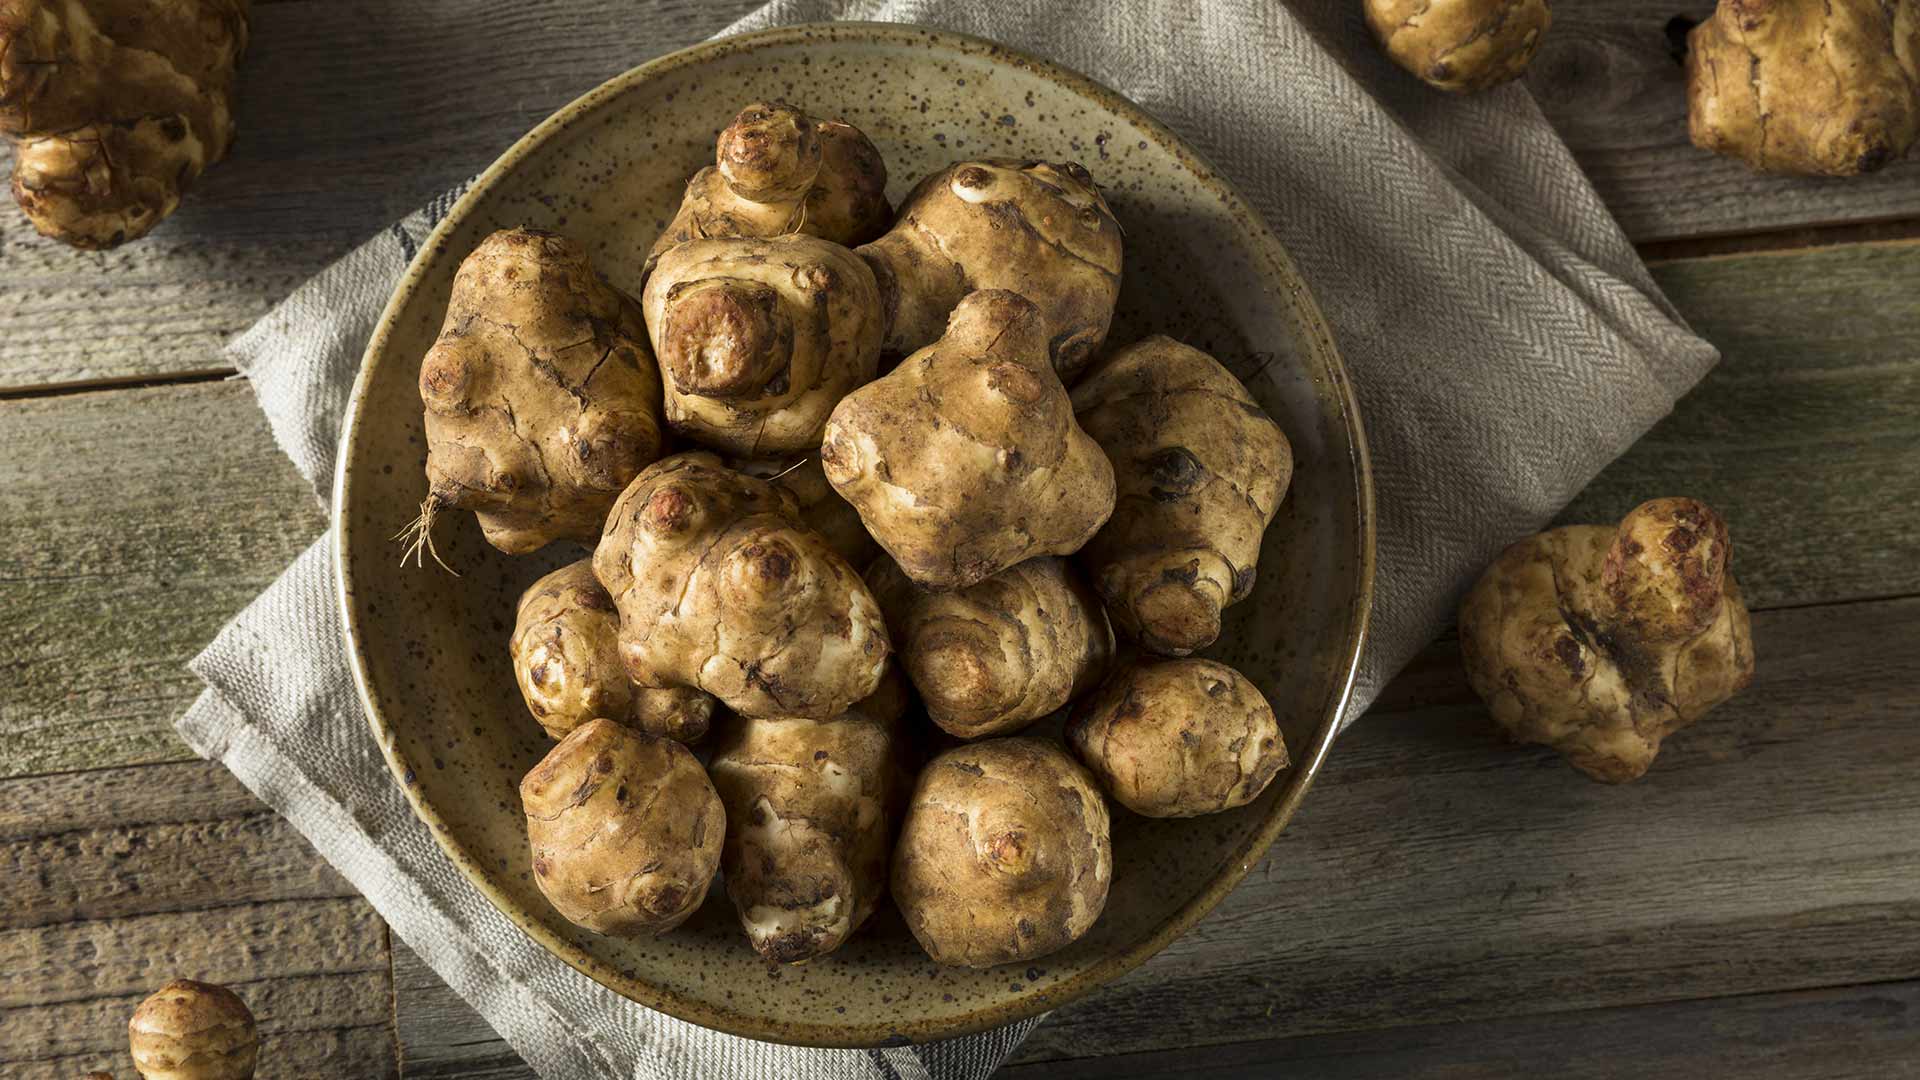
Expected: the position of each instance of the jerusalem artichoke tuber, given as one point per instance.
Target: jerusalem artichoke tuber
(625, 829)
(1200, 471)
(760, 339)
(810, 818)
(1179, 738)
(996, 656)
(115, 108)
(720, 587)
(190, 1030)
(966, 459)
(1601, 641)
(1031, 227)
(777, 171)
(542, 399)
(1460, 45)
(1827, 89)
(1004, 855)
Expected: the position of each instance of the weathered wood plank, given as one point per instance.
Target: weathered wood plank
(138, 522)
(1854, 1031)
(118, 880)
(352, 115)
(138, 848)
(142, 519)
(1608, 78)
(1438, 874)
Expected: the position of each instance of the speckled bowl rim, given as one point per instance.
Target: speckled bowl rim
(890, 1030)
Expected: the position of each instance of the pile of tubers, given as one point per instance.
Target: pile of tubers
(867, 501)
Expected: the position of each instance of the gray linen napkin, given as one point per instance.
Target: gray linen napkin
(1505, 342)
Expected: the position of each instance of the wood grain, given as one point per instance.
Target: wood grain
(120, 879)
(141, 520)
(1857, 1031)
(1609, 79)
(1438, 873)
(138, 522)
(352, 115)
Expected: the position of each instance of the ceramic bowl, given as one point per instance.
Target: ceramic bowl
(429, 649)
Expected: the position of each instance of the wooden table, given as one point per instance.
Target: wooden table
(1444, 904)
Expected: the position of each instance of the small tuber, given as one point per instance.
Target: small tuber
(1032, 227)
(1790, 86)
(966, 459)
(115, 108)
(193, 1031)
(1602, 641)
(566, 658)
(625, 829)
(721, 587)
(777, 171)
(1200, 470)
(758, 339)
(1179, 738)
(1460, 45)
(810, 822)
(998, 655)
(542, 400)
(1004, 855)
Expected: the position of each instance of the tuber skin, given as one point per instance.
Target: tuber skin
(1179, 738)
(542, 401)
(1200, 471)
(1460, 46)
(1004, 855)
(810, 811)
(625, 830)
(996, 656)
(1827, 89)
(759, 339)
(966, 459)
(566, 658)
(115, 108)
(190, 1030)
(720, 586)
(777, 171)
(1601, 641)
(823, 511)
(1032, 227)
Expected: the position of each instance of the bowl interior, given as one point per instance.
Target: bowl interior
(430, 648)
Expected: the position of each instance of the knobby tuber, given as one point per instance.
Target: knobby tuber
(720, 586)
(810, 809)
(760, 338)
(542, 401)
(115, 108)
(777, 171)
(1460, 45)
(566, 658)
(625, 829)
(1793, 87)
(1602, 641)
(193, 1031)
(1200, 471)
(996, 656)
(1032, 227)
(1179, 738)
(1004, 855)
(966, 458)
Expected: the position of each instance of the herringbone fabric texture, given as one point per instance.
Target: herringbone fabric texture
(1503, 338)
